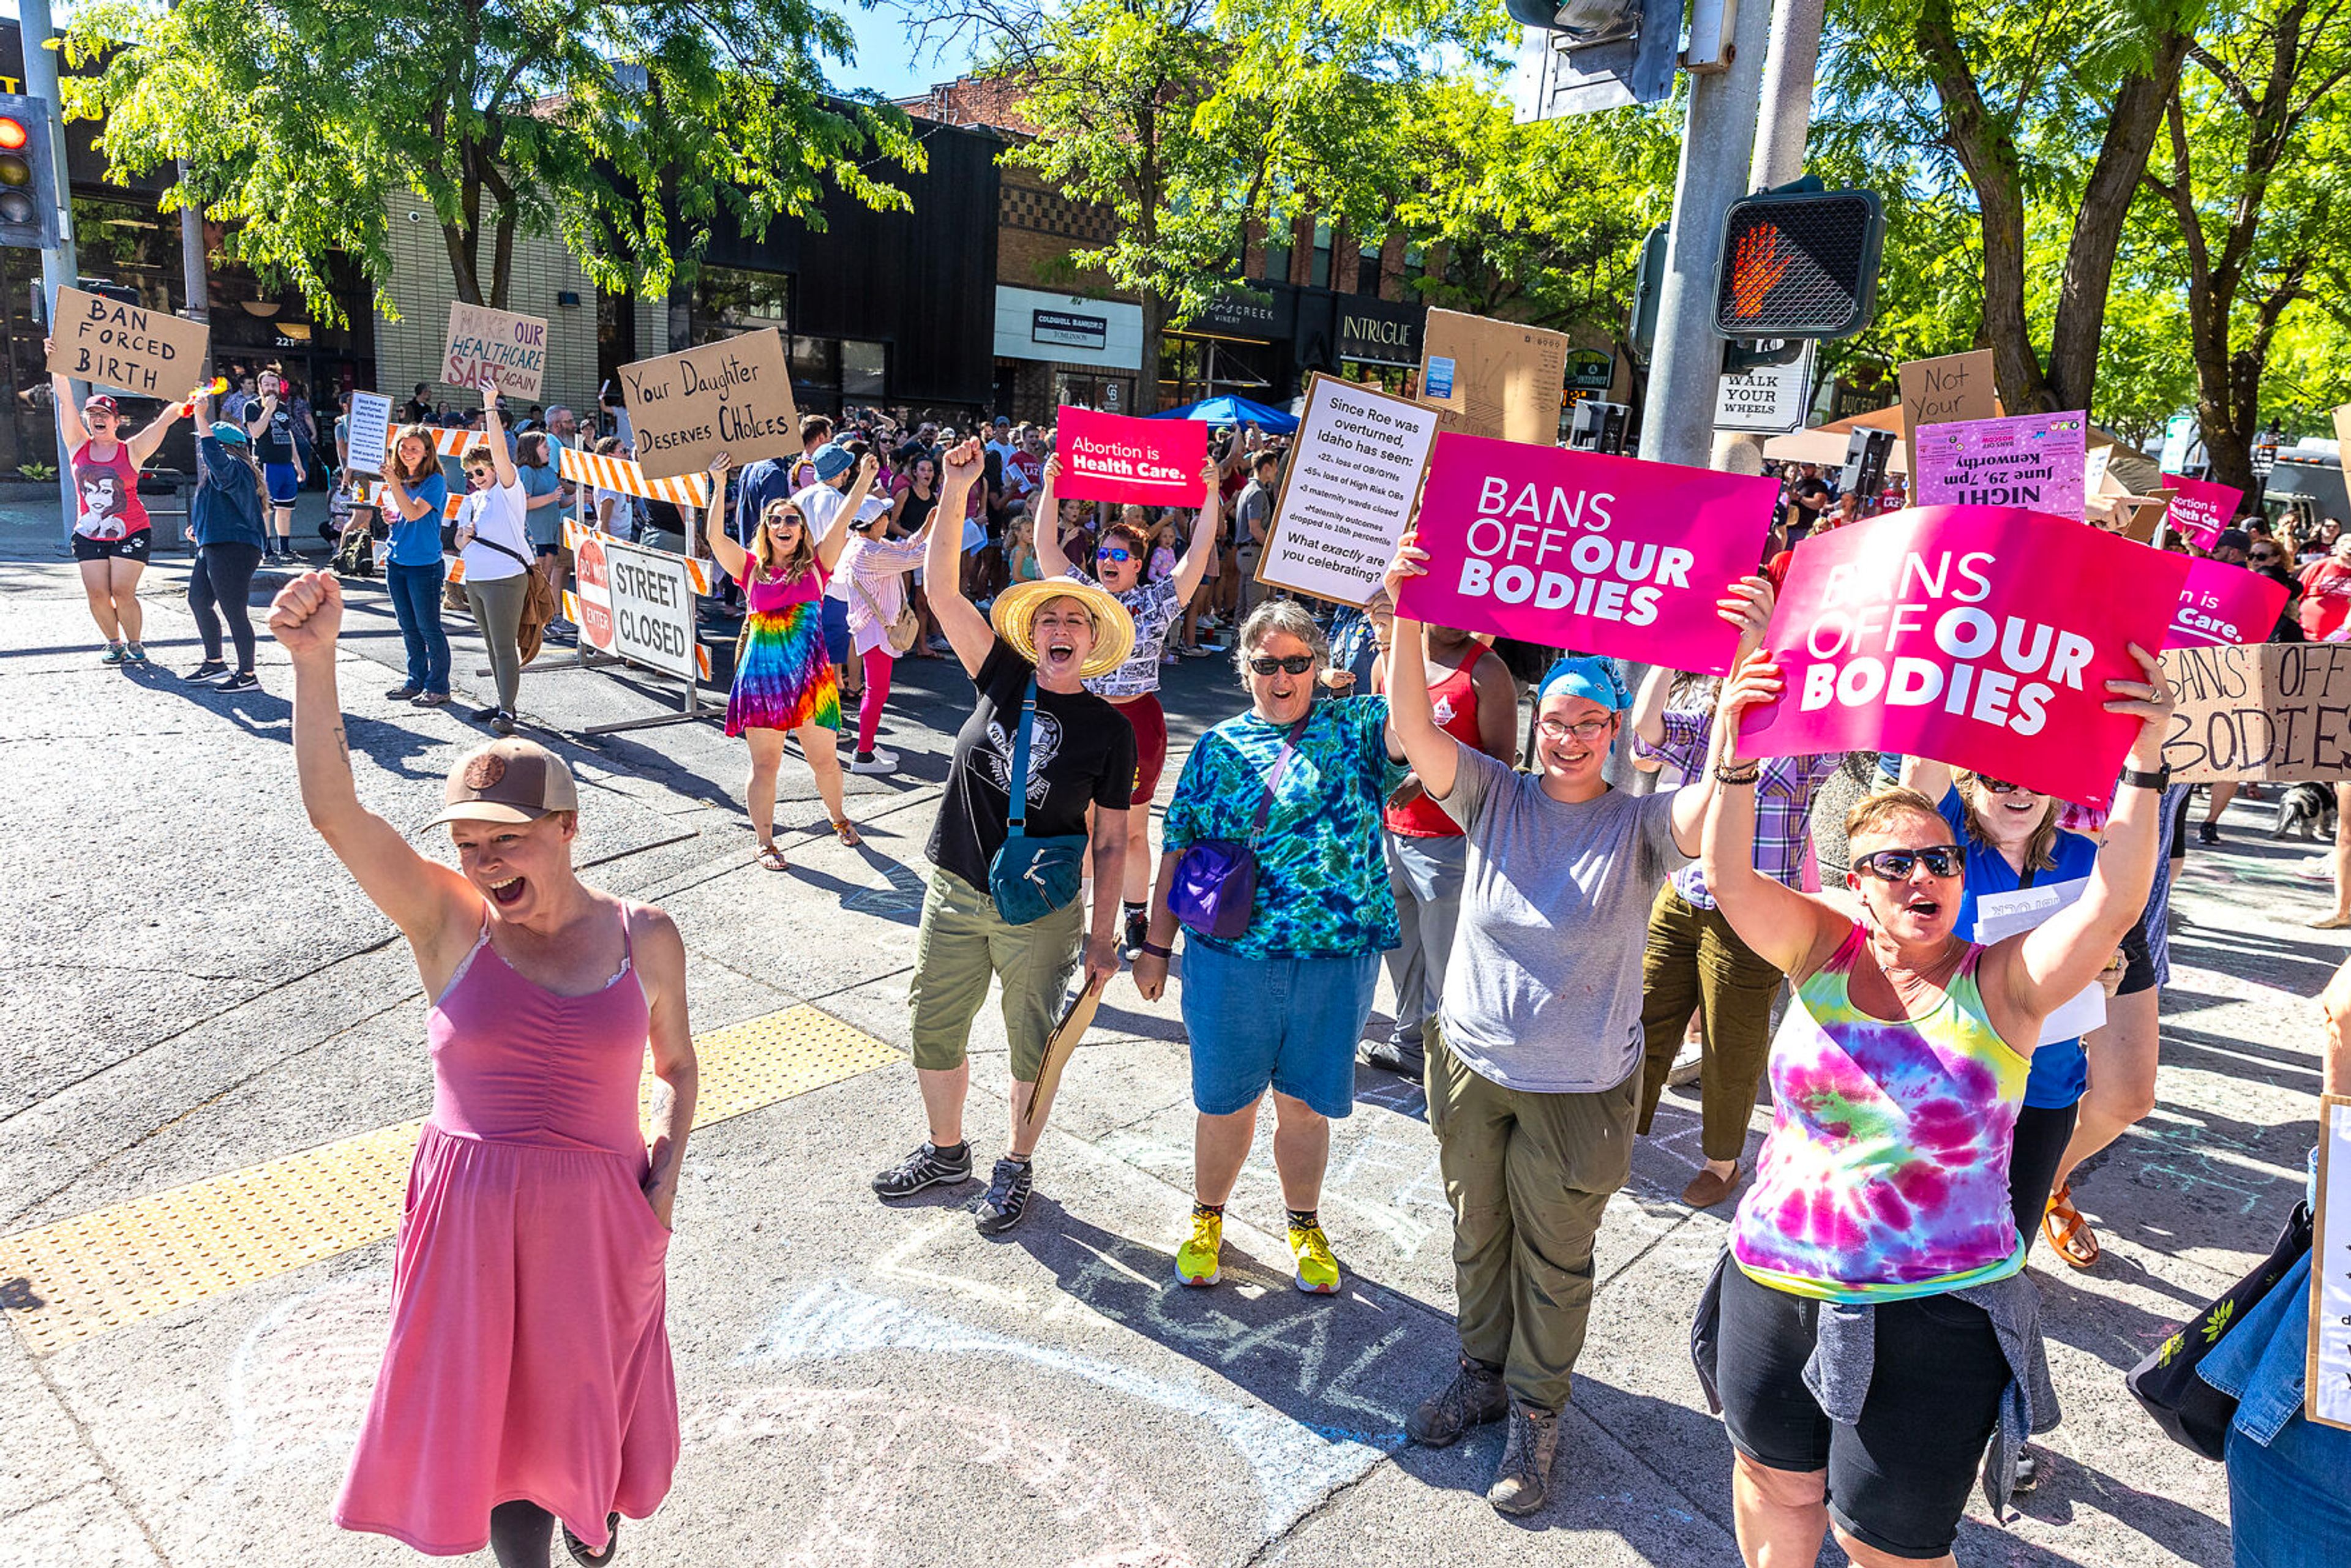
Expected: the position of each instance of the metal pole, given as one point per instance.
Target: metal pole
(1718, 135)
(1780, 139)
(59, 268)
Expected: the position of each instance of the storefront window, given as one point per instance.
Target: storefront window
(1319, 275)
(864, 369)
(1277, 231)
(731, 299)
(1367, 268)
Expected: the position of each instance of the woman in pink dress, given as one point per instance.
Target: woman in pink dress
(527, 1377)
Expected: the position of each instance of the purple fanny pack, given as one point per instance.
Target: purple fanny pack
(1214, 892)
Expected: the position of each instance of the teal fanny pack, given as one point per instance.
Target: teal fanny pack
(1032, 877)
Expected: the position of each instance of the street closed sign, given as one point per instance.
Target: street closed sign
(1768, 399)
(636, 604)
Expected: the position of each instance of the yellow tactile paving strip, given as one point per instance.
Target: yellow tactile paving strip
(81, 1277)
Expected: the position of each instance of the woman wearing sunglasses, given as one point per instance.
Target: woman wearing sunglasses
(111, 532)
(1119, 564)
(1878, 1257)
(1534, 1053)
(494, 539)
(1280, 1003)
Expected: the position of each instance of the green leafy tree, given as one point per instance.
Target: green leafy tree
(624, 126)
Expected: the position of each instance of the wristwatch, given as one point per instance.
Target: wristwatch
(2157, 781)
(1157, 951)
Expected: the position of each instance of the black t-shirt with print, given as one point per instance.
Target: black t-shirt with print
(1080, 754)
(274, 441)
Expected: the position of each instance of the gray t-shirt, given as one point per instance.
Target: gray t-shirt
(1251, 510)
(1542, 993)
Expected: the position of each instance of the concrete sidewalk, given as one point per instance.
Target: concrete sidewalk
(197, 988)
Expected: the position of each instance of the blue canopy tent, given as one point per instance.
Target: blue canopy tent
(1235, 411)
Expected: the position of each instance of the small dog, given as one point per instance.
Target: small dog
(2307, 809)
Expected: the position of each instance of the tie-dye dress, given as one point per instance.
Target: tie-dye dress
(782, 678)
(1886, 1175)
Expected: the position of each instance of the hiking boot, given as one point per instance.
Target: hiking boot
(1474, 1397)
(1009, 1191)
(925, 1167)
(1522, 1480)
(404, 693)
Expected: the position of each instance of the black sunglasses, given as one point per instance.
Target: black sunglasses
(2003, 787)
(1296, 664)
(1896, 865)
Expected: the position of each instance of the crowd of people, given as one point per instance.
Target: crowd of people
(1557, 939)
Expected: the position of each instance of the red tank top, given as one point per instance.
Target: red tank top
(106, 494)
(1456, 700)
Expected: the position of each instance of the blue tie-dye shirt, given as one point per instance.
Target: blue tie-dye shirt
(1321, 878)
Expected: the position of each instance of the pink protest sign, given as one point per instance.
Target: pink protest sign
(1584, 551)
(1116, 457)
(1972, 635)
(2200, 508)
(2033, 461)
(2225, 606)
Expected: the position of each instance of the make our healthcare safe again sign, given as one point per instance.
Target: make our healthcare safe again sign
(1118, 458)
(1580, 549)
(2224, 606)
(1980, 636)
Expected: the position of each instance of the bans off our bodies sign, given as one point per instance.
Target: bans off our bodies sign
(1964, 634)
(1580, 549)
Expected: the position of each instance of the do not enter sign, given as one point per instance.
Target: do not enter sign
(595, 593)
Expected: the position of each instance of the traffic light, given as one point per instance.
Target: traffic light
(28, 181)
(1799, 262)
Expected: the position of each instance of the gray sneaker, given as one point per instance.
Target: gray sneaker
(1475, 1397)
(1522, 1480)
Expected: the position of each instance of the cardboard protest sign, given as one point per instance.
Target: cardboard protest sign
(2342, 426)
(1941, 391)
(2326, 1375)
(1968, 635)
(1347, 491)
(512, 347)
(2037, 461)
(1498, 378)
(147, 353)
(1567, 549)
(369, 428)
(2223, 605)
(2200, 508)
(2266, 711)
(1118, 458)
(733, 396)
(2141, 516)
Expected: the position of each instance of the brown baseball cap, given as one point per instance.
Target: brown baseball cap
(510, 780)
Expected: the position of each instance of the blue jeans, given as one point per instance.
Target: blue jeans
(1290, 1023)
(2290, 1503)
(416, 600)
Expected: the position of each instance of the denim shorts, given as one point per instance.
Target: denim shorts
(836, 630)
(1290, 1023)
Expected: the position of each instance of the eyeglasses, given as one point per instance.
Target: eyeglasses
(478, 473)
(1296, 664)
(2003, 787)
(2264, 555)
(1896, 865)
(1587, 731)
(1106, 553)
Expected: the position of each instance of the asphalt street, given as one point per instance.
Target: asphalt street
(197, 988)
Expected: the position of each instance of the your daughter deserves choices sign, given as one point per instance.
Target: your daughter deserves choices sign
(1116, 457)
(1981, 636)
(1580, 549)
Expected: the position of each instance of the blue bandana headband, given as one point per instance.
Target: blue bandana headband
(1587, 676)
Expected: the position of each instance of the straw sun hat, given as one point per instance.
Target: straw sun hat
(1015, 618)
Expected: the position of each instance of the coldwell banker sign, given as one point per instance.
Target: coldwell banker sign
(1068, 329)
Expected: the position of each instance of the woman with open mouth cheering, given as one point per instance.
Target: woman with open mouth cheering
(1870, 1323)
(527, 1378)
(1010, 847)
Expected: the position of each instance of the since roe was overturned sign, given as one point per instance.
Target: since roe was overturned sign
(1348, 491)
(734, 396)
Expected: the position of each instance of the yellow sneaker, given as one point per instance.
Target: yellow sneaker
(1318, 1271)
(1196, 1261)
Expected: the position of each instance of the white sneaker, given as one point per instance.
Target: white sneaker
(882, 761)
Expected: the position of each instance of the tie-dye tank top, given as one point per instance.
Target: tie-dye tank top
(1886, 1175)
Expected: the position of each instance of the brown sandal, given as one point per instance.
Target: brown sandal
(2067, 1231)
(846, 831)
(773, 858)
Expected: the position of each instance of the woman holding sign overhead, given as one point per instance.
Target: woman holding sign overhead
(1876, 1260)
(494, 541)
(111, 530)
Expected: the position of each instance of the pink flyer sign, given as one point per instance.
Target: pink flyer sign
(2200, 508)
(2225, 606)
(1970, 635)
(1117, 457)
(2033, 461)
(1585, 551)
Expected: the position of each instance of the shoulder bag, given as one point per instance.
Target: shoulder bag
(538, 604)
(2191, 1412)
(901, 631)
(1214, 889)
(1032, 877)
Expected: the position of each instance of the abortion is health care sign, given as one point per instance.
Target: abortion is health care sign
(2200, 508)
(2225, 606)
(1980, 636)
(1580, 549)
(1117, 457)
